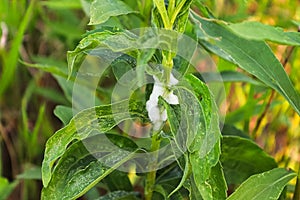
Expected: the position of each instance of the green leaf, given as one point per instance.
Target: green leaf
(253, 107)
(205, 11)
(180, 65)
(160, 190)
(230, 130)
(242, 158)
(110, 45)
(209, 117)
(184, 118)
(209, 142)
(118, 180)
(267, 185)
(66, 86)
(93, 193)
(169, 175)
(190, 185)
(122, 65)
(99, 118)
(62, 4)
(64, 113)
(197, 120)
(53, 69)
(86, 4)
(160, 15)
(51, 94)
(168, 179)
(87, 162)
(185, 175)
(115, 40)
(202, 172)
(102, 10)
(227, 76)
(259, 31)
(71, 31)
(6, 188)
(156, 18)
(255, 57)
(119, 195)
(32, 173)
(217, 182)
(182, 17)
(165, 189)
(142, 60)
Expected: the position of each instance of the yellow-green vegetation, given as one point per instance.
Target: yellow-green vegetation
(109, 99)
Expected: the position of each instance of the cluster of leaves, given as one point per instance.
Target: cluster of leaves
(210, 163)
(31, 31)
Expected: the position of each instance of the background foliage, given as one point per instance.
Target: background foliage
(43, 31)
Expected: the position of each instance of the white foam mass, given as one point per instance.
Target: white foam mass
(157, 115)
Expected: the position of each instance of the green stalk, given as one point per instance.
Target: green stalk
(151, 176)
(155, 142)
(168, 65)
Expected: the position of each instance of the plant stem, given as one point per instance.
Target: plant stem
(151, 176)
(168, 65)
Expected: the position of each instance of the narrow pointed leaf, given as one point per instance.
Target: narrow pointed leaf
(255, 57)
(56, 70)
(33, 173)
(267, 185)
(259, 31)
